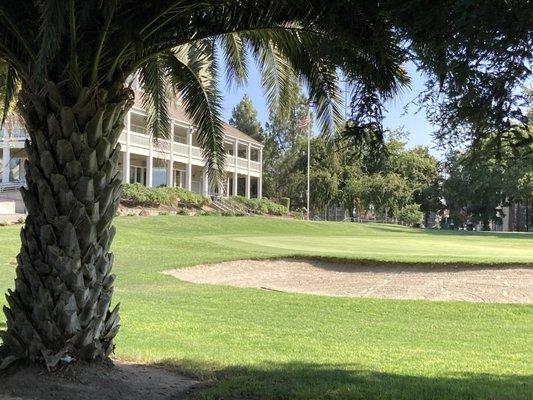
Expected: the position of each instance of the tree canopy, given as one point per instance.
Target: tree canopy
(244, 118)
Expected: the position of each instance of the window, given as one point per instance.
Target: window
(138, 175)
(179, 178)
(242, 151)
(138, 123)
(229, 148)
(180, 134)
(254, 154)
(159, 177)
(195, 142)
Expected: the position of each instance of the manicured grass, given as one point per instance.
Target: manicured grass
(252, 344)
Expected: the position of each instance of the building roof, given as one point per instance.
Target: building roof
(237, 134)
(178, 112)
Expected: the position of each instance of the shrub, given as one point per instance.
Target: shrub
(259, 206)
(140, 195)
(411, 214)
(209, 213)
(285, 202)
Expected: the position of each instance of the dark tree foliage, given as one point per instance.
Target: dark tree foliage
(480, 181)
(476, 55)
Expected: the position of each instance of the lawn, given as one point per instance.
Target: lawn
(253, 344)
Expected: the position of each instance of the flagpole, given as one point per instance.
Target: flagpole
(308, 161)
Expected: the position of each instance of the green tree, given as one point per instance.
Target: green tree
(482, 179)
(73, 60)
(244, 118)
(411, 214)
(473, 190)
(285, 144)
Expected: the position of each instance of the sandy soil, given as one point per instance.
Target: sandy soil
(82, 382)
(475, 283)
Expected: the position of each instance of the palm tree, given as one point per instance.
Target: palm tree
(69, 64)
(72, 61)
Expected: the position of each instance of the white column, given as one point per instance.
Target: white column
(6, 157)
(260, 179)
(170, 173)
(235, 174)
(126, 156)
(189, 165)
(248, 157)
(150, 164)
(205, 182)
(247, 186)
(188, 177)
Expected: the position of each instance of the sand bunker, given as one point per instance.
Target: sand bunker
(475, 283)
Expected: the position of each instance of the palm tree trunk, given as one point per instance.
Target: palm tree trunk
(59, 310)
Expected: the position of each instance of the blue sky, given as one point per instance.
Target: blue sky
(415, 124)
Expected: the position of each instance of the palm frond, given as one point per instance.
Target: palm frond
(277, 74)
(152, 77)
(235, 57)
(10, 91)
(13, 27)
(193, 73)
(52, 28)
(298, 50)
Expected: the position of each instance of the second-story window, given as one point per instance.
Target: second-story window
(254, 154)
(242, 152)
(180, 134)
(138, 123)
(229, 148)
(195, 142)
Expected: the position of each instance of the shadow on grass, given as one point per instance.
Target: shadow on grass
(369, 264)
(299, 380)
(442, 232)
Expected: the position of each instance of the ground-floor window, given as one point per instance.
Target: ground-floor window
(179, 178)
(16, 170)
(196, 186)
(138, 175)
(159, 177)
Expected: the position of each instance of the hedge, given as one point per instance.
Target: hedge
(140, 195)
(259, 206)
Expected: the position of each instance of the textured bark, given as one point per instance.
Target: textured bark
(59, 310)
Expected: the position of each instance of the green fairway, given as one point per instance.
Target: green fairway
(253, 344)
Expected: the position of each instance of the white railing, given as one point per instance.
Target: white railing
(242, 163)
(255, 166)
(181, 149)
(4, 187)
(196, 152)
(161, 145)
(137, 139)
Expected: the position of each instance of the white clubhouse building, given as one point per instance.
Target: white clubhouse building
(175, 163)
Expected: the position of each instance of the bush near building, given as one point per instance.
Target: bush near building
(139, 195)
(258, 206)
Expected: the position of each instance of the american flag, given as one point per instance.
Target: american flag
(304, 122)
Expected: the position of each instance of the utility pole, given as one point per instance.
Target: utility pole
(305, 123)
(308, 162)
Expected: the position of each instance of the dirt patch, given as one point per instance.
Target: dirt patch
(462, 283)
(85, 382)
